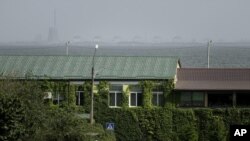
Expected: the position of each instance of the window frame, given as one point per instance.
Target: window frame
(157, 93)
(78, 93)
(58, 97)
(192, 102)
(115, 92)
(136, 93)
(197, 103)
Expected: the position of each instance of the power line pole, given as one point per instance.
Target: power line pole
(209, 44)
(92, 87)
(67, 48)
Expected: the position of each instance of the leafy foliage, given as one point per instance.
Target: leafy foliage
(11, 127)
(19, 104)
(24, 116)
(87, 96)
(125, 98)
(168, 89)
(147, 87)
(169, 123)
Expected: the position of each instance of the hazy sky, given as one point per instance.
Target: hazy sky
(142, 20)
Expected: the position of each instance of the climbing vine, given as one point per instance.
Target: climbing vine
(102, 94)
(47, 85)
(168, 87)
(70, 96)
(147, 87)
(87, 96)
(125, 98)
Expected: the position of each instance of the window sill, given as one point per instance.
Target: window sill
(134, 106)
(115, 107)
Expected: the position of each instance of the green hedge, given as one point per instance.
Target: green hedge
(172, 124)
(167, 123)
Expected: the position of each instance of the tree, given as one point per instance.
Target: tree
(25, 116)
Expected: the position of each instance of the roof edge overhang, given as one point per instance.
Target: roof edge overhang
(212, 89)
(88, 79)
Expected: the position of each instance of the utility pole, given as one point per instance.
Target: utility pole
(209, 44)
(92, 87)
(67, 48)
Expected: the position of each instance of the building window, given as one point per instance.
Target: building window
(135, 99)
(79, 98)
(192, 99)
(198, 99)
(115, 95)
(186, 99)
(58, 98)
(242, 99)
(158, 99)
(115, 98)
(220, 99)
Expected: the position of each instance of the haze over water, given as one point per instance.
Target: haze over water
(130, 20)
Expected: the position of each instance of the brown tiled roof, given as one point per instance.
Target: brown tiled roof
(212, 79)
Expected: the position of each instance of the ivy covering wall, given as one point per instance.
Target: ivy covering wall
(163, 123)
(147, 87)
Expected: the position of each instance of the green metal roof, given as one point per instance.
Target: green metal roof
(79, 67)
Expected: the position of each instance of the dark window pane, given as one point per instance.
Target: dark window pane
(119, 99)
(139, 99)
(198, 96)
(186, 96)
(81, 98)
(161, 100)
(198, 99)
(243, 99)
(186, 99)
(133, 99)
(154, 99)
(111, 99)
(77, 98)
(220, 99)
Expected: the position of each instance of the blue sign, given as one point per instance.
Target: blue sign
(110, 126)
